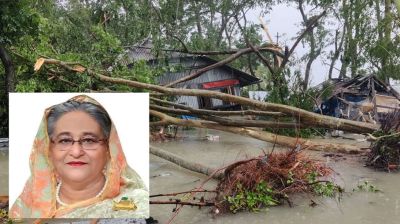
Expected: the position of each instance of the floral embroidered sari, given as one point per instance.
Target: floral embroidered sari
(38, 199)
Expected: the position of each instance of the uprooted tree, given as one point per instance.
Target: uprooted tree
(291, 171)
(385, 150)
(297, 173)
(254, 183)
(218, 120)
(302, 117)
(100, 78)
(105, 30)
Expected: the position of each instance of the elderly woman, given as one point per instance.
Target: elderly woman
(78, 169)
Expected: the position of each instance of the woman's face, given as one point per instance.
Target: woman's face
(82, 161)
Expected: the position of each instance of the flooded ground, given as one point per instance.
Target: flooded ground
(354, 207)
(3, 171)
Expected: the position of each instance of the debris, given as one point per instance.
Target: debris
(3, 142)
(385, 151)
(267, 180)
(312, 203)
(212, 137)
(337, 133)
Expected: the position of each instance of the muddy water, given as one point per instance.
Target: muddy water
(3, 171)
(354, 207)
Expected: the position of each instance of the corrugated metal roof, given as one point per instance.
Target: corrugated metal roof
(143, 51)
(354, 85)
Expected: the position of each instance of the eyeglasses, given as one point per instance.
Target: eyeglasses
(86, 143)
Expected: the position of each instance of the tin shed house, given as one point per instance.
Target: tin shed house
(225, 79)
(362, 98)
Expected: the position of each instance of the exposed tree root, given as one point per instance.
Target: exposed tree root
(274, 175)
(255, 183)
(385, 151)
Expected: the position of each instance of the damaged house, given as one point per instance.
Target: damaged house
(362, 98)
(224, 79)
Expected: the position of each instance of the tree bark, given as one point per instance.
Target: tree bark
(355, 41)
(345, 58)
(311, 118)
(228, 122)
(193, 166)
(200, 204)
(338, 49)
(387, 37)
(9, 70)
(264, 60)
(262, 135)
(308, 28)
(219, 113)
(313, 52)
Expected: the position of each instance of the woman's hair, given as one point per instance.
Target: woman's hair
(98, 113)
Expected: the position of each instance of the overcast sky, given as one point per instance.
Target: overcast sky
(285, 20)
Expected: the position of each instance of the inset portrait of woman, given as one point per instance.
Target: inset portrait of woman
(77, 166)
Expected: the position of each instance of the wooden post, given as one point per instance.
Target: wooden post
(374, 100)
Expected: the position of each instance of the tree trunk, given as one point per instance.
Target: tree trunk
(338, 49)
(312, 57)
(193, 166)
(313, 53)
(311, 118)
(289, 142)
(353, 43)
(198, 20)
(345, 59)
(387, 37)
(9, 70)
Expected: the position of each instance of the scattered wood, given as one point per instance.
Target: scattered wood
(281, 173)
(385, 150)
(273, 176)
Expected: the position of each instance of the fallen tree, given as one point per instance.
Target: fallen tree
(313, 119)
(385, 150)
(302, 117)
(286, 141)
(193, 166)
(254, 183)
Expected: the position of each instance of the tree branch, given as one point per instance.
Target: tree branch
(310, 26)
(268, 48)
(9, 70)
(315, 119)
(220, 113)
(262, 135)
(227, 122)
(184, 192)
(207, 68)
(175, 202)
(263, 59)
(193, 166)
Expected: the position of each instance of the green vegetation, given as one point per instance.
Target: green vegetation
(385, 153)
(97, 34)
(263, 196)
(366, 186)
(323, 188)
(4, 216)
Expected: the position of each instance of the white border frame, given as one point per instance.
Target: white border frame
(128, 111)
